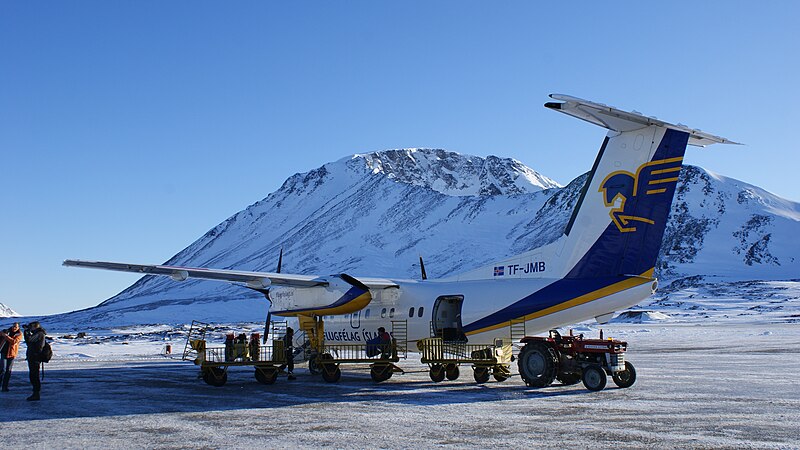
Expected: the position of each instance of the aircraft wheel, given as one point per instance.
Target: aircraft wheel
(538, 364)
(481, 375)
(437, 373)
(331, 373)
(451, 372)
(266, 376)
(594, 377)
(215, 376)
(626, 378)
(568, 379)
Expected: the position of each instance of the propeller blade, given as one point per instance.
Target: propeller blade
(280, 261)
(422, 268)
(266, 328)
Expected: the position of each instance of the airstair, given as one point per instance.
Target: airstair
(400, 335)
(197, 331)
(517, 333)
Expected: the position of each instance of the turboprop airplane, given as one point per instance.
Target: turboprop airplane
(604, 262)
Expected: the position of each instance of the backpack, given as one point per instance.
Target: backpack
(47, 352)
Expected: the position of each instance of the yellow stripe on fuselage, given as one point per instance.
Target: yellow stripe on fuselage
(356, 304)
(646, 277)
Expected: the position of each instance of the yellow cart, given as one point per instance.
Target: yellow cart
(214, 362)
(445, 357)
(381, 366)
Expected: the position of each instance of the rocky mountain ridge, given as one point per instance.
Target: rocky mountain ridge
(6, 311)
(373, 214)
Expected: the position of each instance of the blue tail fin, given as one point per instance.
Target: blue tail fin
(618, 223)
(638, 204)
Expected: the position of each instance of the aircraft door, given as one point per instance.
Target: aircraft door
(355, 319)
(446, 320)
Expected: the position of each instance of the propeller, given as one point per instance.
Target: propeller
(422, 268)
(266, 294)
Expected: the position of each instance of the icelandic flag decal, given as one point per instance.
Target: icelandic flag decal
(499, 271)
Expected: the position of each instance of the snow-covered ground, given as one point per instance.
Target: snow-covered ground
(702, 384)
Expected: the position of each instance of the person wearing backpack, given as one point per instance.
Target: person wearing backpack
(35, 339)
(9, 347)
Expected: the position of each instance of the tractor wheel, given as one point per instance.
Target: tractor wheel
(437, 373)
(568, 379)
(481, 374)
(331, 373)
(594, 377)
(266, 376)
(215, 376)
(452, 372)
(380, 373)
(626, 378)
(538, 364)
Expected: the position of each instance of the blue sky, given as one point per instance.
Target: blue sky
(128, 129)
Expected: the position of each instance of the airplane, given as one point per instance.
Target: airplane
(602, 263)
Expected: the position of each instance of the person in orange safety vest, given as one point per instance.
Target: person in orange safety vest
(9, 347)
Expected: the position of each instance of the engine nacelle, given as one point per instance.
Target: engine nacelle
(179, 275)
(338, 297)
(259, 283)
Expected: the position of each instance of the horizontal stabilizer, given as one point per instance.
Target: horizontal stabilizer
(622, 121)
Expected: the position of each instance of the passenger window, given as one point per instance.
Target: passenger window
(419, 312)
(411, 312)
(366, 314)
(391, 313)
(383, 313)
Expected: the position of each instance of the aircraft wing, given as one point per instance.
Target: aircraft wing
(254, 280)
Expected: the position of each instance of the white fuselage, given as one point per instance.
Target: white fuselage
(435, 307)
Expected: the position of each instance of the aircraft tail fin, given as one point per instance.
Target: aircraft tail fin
(619, 221)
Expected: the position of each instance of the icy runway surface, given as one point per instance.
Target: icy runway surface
(698, 386)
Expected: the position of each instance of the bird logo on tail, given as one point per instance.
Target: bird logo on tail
(621, 188)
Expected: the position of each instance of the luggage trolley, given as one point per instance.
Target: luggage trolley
(381, 360)
(214, 362)
(445, 357)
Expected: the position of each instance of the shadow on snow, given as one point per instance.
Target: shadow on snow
(153, 388)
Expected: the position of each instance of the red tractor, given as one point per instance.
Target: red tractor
(570, 359)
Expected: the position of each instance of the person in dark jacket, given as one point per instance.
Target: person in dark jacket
(288, 346)
(9, 346)
(35, 339)
(385, 342)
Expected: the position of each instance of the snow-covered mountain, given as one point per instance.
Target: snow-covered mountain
(6, 311)
(374, 214)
